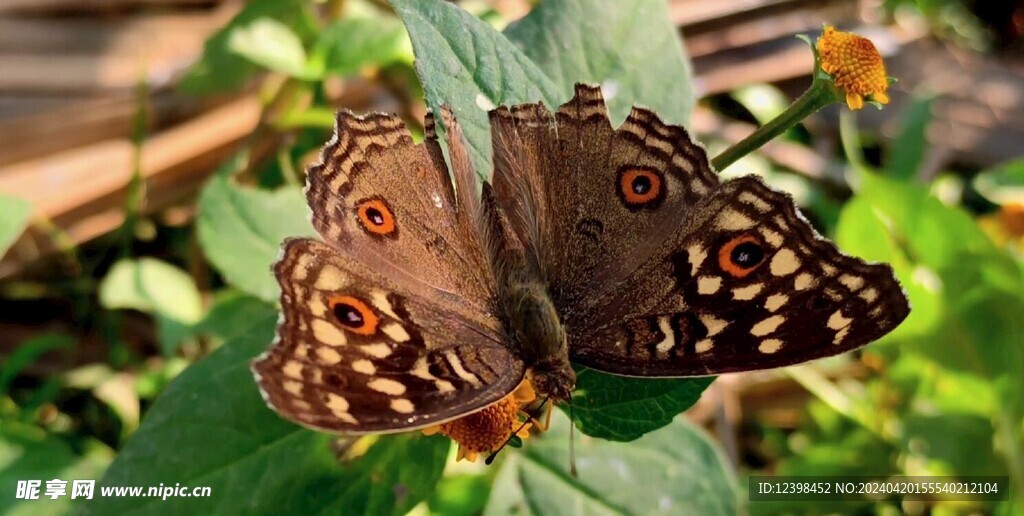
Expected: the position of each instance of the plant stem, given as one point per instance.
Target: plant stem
(815, 98)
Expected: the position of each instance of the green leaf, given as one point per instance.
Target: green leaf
(461, 495)
(241, 230)
(866, 232)
(232, 313)
(930, 232)
(466, 64)
(622, 409)
(395, 475)
(1003, 184)
(630, 47)
(29, 351)
(272, 45)
(764, 101)
(211, 428)
(29, 453)
(908, 149)
(157, 288)
(347, 46)
(220, 69)
(14, 215)
(676, 470)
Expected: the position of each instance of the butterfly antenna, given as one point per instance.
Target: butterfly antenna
(490, 458)
(572, 442)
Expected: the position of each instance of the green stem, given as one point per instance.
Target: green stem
(815, 98)
(135, 196)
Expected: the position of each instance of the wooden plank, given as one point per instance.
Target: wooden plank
(53, 125)
(76, 55)
(23, 7)
(82, 190)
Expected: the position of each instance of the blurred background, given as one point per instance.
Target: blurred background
(114, 115)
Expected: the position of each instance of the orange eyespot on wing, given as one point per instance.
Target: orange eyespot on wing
(640, 186)
(376, 216)
(354, 315)
(741, 255)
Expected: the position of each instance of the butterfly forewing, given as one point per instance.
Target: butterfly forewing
(384, 200)
(358, 353)
(603, 198)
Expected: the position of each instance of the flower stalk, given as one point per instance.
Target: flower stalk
(847, 68)
(812, 100)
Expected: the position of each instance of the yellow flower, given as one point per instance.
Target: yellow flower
(855, 65)
(487, 429)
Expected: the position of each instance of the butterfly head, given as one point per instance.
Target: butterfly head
(553, 378)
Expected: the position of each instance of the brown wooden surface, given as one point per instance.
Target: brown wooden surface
(83, 190)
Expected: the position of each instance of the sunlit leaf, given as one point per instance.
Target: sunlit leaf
(14, 214)
(220, 69)
(157, 288)
(1003, 184)
(348, 45)
(272, 45)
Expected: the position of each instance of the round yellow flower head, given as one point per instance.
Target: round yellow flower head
(855, 65)
(487, 429)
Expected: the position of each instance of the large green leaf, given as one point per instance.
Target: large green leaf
(623, 409)
(630, 47)
(210, 428)
(466, 64)
(29, 453)
(676, 470)
(14, 214)
(241, 230)
(231, 314)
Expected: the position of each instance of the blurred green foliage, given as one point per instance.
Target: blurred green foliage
(943, 397)
(951, 19)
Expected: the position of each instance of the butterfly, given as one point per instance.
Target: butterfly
(432, 295)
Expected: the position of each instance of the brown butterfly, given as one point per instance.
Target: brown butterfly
(617, 249)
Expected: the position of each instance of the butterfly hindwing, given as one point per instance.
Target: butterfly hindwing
(358, 353)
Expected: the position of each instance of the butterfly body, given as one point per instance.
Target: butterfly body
(617, 249)
(535, 328)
